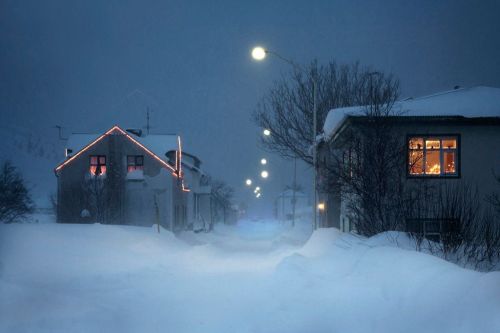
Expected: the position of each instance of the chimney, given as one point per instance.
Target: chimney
(135, 131)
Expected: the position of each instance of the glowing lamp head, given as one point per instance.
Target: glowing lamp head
(257, 189)
(267, 132)
(264, 174)
(248, 182)
(258, 53)
(258, 195)
(263, 161)
(321, 206)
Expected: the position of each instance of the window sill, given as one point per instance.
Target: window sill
(432, 177)
(135, 176)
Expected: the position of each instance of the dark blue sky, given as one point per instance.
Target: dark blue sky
(79, 63)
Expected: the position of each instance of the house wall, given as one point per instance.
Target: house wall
(192, 181)
(331, 216)
(134, 200)
(479, 153)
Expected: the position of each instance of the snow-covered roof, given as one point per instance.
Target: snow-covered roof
(159, 144)
(78, 141)
(474, 102)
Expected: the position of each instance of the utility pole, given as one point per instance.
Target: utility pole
(294, 188)
(315, 124)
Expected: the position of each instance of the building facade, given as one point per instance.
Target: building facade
(449, 140)
(123, 177)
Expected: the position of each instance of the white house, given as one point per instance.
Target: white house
(125, 177)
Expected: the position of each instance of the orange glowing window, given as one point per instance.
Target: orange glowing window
(97, 165)
(433, 156)
(135, 162)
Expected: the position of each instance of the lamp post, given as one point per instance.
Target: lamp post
(259, 53)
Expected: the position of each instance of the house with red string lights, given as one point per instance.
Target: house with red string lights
(123, 177)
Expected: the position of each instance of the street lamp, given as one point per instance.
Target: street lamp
(266, 132)
(248, 182)
(264, 174)
(259, 53)
(263, 161)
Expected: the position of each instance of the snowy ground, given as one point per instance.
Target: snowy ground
(255, 277)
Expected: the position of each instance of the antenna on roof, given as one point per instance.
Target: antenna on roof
(147, 121)
(60, 132)
(148, 126)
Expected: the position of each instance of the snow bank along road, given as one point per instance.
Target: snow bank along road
(254, 277)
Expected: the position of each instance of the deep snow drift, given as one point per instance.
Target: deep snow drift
(255, 277)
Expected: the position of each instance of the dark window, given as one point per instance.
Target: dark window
(98, 165)
(433, 156)
(432, 229)
(135, 162)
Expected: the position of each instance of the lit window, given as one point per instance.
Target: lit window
(135, 162)
(98, 165)
(433, 156)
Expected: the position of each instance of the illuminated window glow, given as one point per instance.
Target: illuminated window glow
(97, 165)
(433, 156)
(135, 162)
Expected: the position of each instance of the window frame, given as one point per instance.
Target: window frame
(418, 226)
(135, 165)
(439, 136)
(98, 164)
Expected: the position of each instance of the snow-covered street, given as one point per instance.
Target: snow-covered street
(258, 276)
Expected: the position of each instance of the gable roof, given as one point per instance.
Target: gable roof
(474, 102)
(155, 145)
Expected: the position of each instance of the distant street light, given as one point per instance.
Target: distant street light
(248, 182)
(257, 189)
(264, 174)
(258, 53)
(263, 161)
(258, 195)
(267, 132)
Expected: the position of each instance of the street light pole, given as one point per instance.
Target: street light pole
(259, 53)
(294, 189)
(315, 123)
